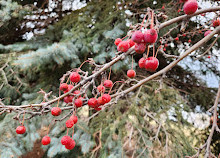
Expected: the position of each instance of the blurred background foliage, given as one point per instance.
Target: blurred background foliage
(41, 40)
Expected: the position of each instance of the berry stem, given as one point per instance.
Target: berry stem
(148, 49)
(82, 64)
(152, 20)
(23, 119)
(109, 73)
(132, 62)
(113, 85)
(124, 37)
(157, 50)
(143, 20)
(153, 50)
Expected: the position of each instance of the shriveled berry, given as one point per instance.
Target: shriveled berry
(150, 36)
(141, 63)
(69, 123)
(45, 140)
(71, 145)
(151, 64)
(68, 99)
(108, 83)
(131, 43)
(64, 87)
(56, 111)
(20, 130)
(216, 23)
(117, 41)
(78, 102)
(140, 48)
(101, 88)
(106, 98)
(92, 102)
(207, 32)
(65, 140)
(74, 119)
(123, 46)
(131, 73)
(100, 101)
(75, 77)
(190, 7)
(137, 37)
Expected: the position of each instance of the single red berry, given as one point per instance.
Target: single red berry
(190, 7)
(68, 99)
(150, 36)
(123, 46)
(65, 140)
(100, 101)
(76, 92)
(56, 111)
(189, 41)
(163, 7)
(74, 119)
(179, 10)
(203, 14)
(117, 41)
(184, 35)
(92, 102)
(108, 83)
(140, 48)
(151, 64)
(209, 56)
(106, 98)
(98, 108)
(64, 87)
(177, 39)
(207, 32)
(164, 49)
(131, 73)
(75, 77)
(141, 63)
(78, 102)
(200, 31)
(20, 130)
(69, 123)
(45, 140)
(69, 88)
(71, 145)
(166, 45)
(101, 88)
(216, 23)
(131, 43)
(137, 37)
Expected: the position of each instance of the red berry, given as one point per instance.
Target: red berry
(65, 140)
(56, 111)
(64, 87)
(123, 46)
(203, 14)
(108, 83)
(20, 130)
(209, 56)
(151, 64)
(140, 48)
(150, 36)
(207, 32)
(106, 98)
(45, 140)
(190, 7)
(92, 102)
(137, 37)
(184, 35)
(131, 73)
(69, 88)
(78, 102)
(117, 41)
(131, 43)
(189, 41)
(177, 39)
(75, 77)
(74, 119)
(76, 92)
(71, 145)
(98, 109)
(68, 99)
(166, 45)
(179, 10)
(216, 23)
(101, 88)
(141, 63)
(163, 7)
(164, 49)
(69, 123)
(100, 101)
